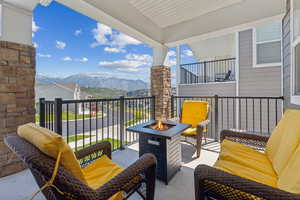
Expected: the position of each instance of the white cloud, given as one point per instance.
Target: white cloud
(171, 53)
(67, 58)
(100, 34)
(121, 40)
(60, 44)
(147, 59)
(35, 27)
(131, 63)
(35, 45)
(105, 36)
(170, 58)
(84, 59)
(114, 50)
(188, 52)
(44, 55)
(77, 32)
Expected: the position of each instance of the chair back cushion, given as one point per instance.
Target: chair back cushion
(289, 180)
(194, 112)
(284, 140)
(51, 144)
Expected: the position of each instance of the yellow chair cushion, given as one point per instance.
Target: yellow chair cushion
(284, 140)
(51, 144)
(194, 112)
(100, 172)
(246, 162)
(190, 131)
(289, 179)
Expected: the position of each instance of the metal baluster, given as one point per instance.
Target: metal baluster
(67, 123)
(260, 115)
(97, 121)
(76, 130)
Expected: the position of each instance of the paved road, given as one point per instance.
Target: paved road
(111, 118)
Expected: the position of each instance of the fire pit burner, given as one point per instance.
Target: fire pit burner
(163, 140)
(159, 125)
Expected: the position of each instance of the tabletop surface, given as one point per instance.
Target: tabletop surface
(173, 131)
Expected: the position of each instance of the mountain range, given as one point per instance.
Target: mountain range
(97, 81)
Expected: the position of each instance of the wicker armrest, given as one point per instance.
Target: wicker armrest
(215, 182)
(250, 139)
(105, 147)
(146, 165)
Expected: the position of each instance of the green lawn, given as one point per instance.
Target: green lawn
(79, 137)
(65, 116)
(114, 142)
(138, 115)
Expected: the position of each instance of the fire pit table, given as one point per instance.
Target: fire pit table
(163, 140)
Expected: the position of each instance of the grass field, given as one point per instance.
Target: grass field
(115, 143)
(79, 137)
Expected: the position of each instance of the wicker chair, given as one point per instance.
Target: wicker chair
(142, 172)
(212, 183)
(200, 131)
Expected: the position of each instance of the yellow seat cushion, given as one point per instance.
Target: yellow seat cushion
(100, 172)
(289, 179)
(284, 140)
(246, 162)
(190, 131)
(51, 144)
(194, 112)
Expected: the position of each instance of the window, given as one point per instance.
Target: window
(267, 45)
(295, 72)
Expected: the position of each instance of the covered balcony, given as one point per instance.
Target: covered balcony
(161, 25)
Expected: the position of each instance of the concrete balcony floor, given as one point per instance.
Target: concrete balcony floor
(22, 185)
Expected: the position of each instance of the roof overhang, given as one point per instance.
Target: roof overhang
(172, 22)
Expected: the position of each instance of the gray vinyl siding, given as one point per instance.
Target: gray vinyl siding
(286, 35)
(264, 81)
(210, 89)
(253, 82)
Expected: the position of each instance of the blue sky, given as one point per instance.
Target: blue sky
(68, 43)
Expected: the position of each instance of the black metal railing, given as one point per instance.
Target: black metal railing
(208, 71)
(86, 122)
(253, 114)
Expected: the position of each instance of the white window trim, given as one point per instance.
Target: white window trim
(255, 65)
(295, 99)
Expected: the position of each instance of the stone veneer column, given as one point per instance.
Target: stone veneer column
(161, 89)
(17, 78)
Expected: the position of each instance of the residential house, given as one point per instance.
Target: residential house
(52, 90)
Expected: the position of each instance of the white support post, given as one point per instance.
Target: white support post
(159, 55)
(16, 24)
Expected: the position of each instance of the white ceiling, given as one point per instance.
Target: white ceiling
(172, 22)
(169, 12)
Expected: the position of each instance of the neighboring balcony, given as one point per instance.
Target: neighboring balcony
(208, 71)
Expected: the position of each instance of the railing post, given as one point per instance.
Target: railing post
(216, 112)
(204, 69)
(172, 106)
(58, 116)
(153, 108)
(42, 112)
(122, 123)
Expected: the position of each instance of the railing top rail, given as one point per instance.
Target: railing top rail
(233, 97)
(96, 100)
(211, 61)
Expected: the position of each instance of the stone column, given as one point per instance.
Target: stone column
(161, 89)
(17, 79)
